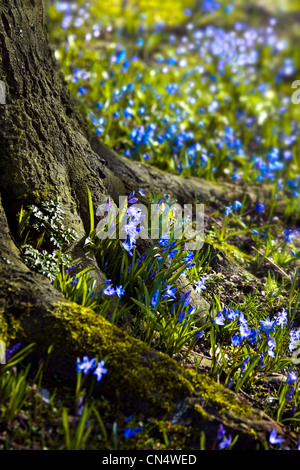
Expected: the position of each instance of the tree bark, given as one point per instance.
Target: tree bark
(47, 151)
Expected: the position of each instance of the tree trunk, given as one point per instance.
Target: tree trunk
(48, 151)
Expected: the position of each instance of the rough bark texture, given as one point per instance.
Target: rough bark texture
(45, 152)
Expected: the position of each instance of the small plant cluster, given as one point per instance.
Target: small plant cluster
(265, 240)
(42, 237)
(148, 280)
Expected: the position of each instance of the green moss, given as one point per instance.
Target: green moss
(142, 379)
(10, 328)
(201, 411)
(134, 370)
(225, 400)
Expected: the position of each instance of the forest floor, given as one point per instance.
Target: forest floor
(207, 94)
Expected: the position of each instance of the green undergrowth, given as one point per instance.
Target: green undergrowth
(247, 338)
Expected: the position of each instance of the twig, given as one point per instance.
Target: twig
(272, 262)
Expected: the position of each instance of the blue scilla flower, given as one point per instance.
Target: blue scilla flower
(219, 319)
(199, 285)
(236, 340)
(271, 344)
(11, 351)
(170, 292)
(155, 298)
(282, 318)
(120, 291)
(129, 432)
(225, 442)
(181, 316)
(82, 91)
(228, 210)
(267, 325)
(128, 112)
(100, 370)
(199, 334)
(244, 365)
(294, 339)
(259, 207)
(273, 439)
(109, 290)
(69, 270)
(291, 378)
(237, 205)
(119, 57)
(86, 364)
(261, 360)
(290, 235)
(290, 394)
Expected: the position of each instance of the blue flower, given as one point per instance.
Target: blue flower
(243, 368)
(261, 361)
(69, 270)
(290, 235)
(231, 314)
(85, 365)
(282, 319)
(290, 394)
(189, 257)
(128, 112)
(271, 343)
(236, 340)
(221, 432)
(291, 378)
(200, 284)
(120, 291)
(172, 254)
(225, 443)
(81, 91)
(128, 246)
(131, 199)
(219, 319)
(100, 370)
(199, 334)
(294, 339)
(129, 432)
(154, 299)
(228, 210)
(170, 293)
(259, 207)
(237, 205)
(273, 439)
(164, 241)
(245, 331)
(267, 325)
(11, 351)
(109, 290)
(74, 281)
(181, 317)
